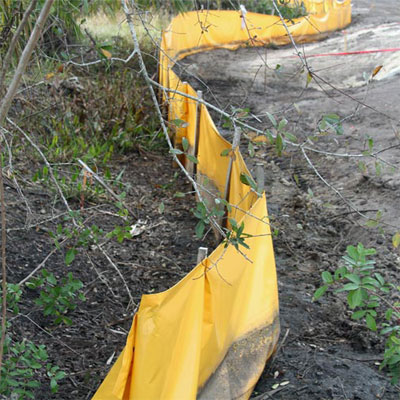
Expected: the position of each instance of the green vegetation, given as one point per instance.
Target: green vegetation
(371, 299)
(289, 10)
(25, 361)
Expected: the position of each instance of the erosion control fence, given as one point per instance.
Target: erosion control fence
(210, 335)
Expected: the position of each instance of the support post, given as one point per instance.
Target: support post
(235, 145)
(201, 254)
(197, 129)
(260, 178)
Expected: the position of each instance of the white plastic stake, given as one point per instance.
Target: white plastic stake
(201, 254)
(244, 12)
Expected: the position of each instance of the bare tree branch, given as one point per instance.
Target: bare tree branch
(14, 40)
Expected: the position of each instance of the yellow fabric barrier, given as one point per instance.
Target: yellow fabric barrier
(210, 335)
(179, 337)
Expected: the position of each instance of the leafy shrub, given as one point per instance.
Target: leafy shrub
(57, 297)
(371, 299)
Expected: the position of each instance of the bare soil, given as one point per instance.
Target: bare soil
(153, 261)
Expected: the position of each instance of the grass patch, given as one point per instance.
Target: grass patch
(106, 27)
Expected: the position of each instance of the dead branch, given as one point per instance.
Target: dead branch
(51, 172)
(102, 183)
(14, 40)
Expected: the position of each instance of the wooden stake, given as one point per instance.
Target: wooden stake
(260, 178)
(235, 144)
(197, 129)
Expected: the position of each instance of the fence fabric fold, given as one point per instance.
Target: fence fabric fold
(210, 335)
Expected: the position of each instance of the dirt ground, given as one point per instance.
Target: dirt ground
(323, 353)
(164, 250)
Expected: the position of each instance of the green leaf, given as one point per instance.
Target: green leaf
(319, 292)
(371, 323)
(200, 229)
(31, 285)
(176, 151)
(386, 330)
(282, 124)
(362, 167)
(279, 144)
(370, 281)
(371, 144)
(225, 152)
(327, 277)
(248, 180)
(185, 144)
(309, 78)
(269, 136)
(70, 256)
(290, 137)
(331, 121)
(161, 208)
(339, 273)
(379, 277)
(353, 278)
(347, 287)
(179, 123)
(33, 384)
(396, 240)
(352, 252)
(60, 375)
(53, 385)
(251, 149)
(272, 119)
(388, 314)
(354, 298)
(233, 222)
(191, 158)
(358, 314)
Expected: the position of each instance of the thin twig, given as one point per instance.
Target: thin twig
(102, 183)
(120, 275)
(53, 178)
(14, 40)
(23, 61)
(88, 64)
(149, 81)
(349, 203)
(52, 336)
(41, 265)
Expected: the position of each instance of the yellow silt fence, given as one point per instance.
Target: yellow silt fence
(210, 335)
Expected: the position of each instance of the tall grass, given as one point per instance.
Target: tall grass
(106, 27)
